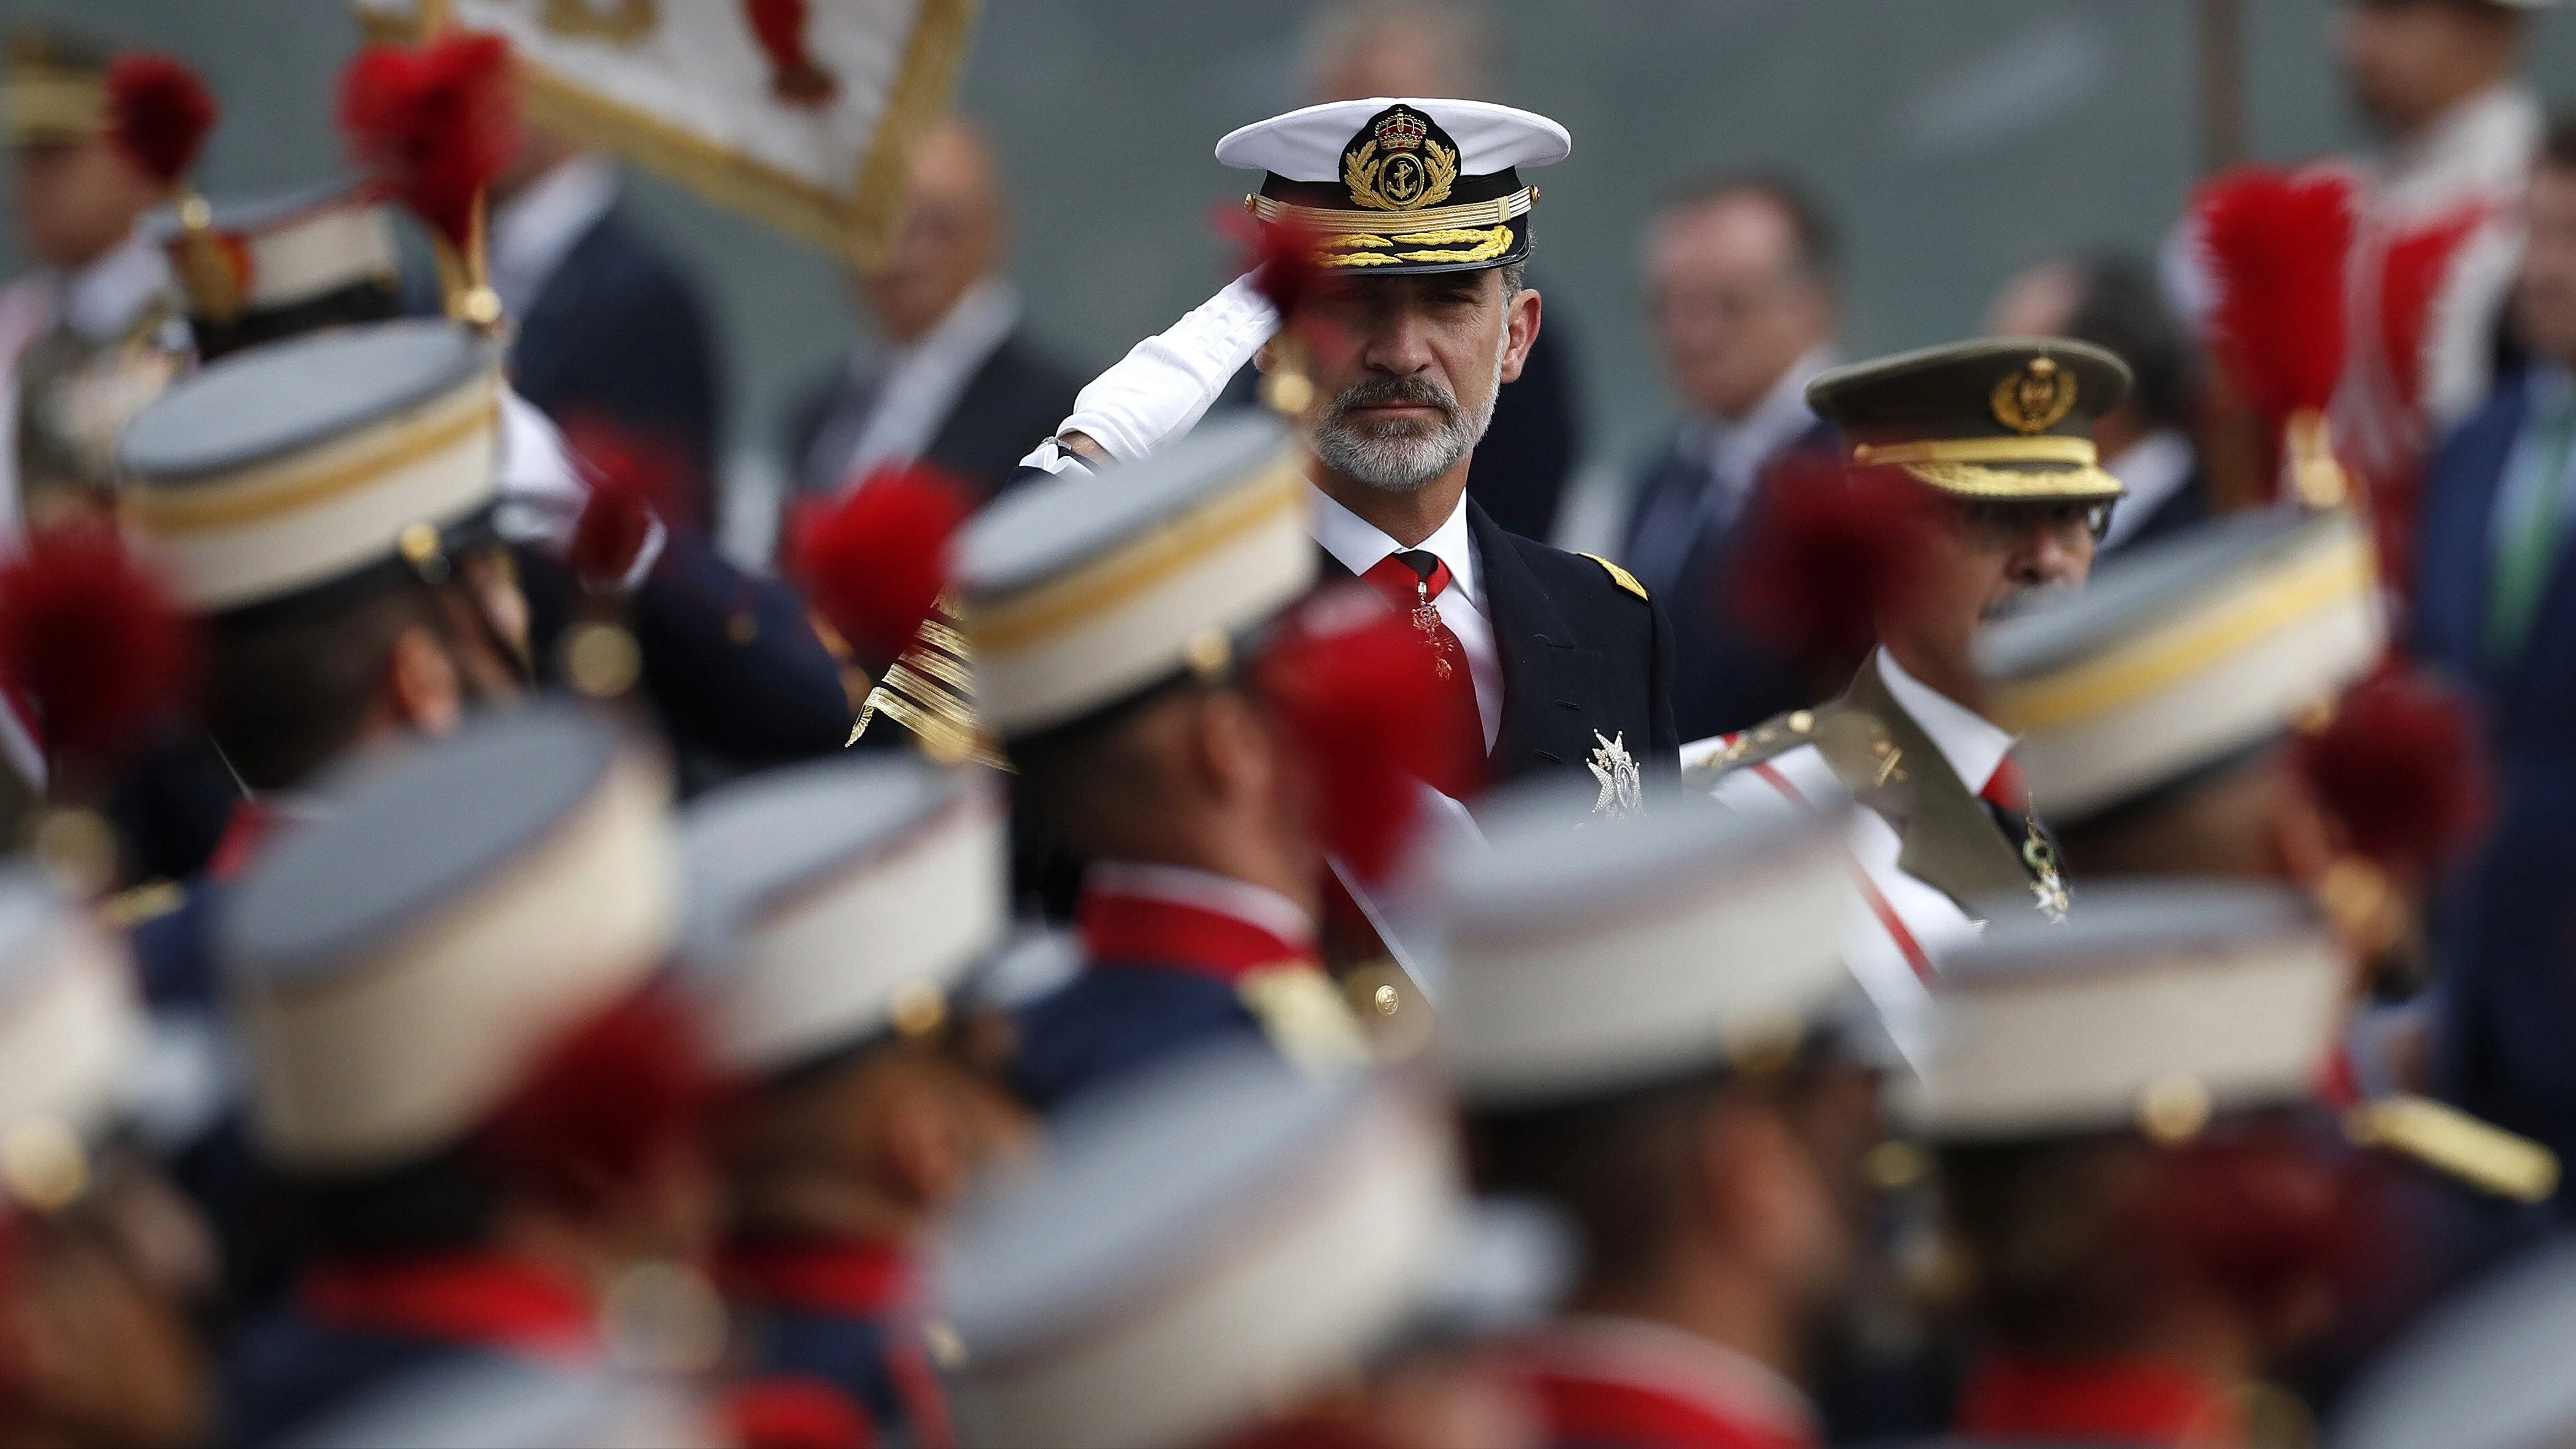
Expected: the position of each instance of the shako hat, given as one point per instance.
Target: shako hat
(2008, 419)
(1583, 964)
(1198, 1242)
(839, 901)
(397, 966)
(1390, 187)
(2155, 1006)
(258, 269)
(1079, 593)
(2182, 655)
(290, 469)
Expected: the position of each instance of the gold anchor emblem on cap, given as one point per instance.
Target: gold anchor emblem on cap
(2036, 398)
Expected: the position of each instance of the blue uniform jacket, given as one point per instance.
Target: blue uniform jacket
(1115, 1017)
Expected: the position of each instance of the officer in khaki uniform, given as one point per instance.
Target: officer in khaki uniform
(1995, 434)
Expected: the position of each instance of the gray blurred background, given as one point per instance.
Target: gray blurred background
(1953, 139)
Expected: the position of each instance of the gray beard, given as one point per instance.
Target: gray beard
(1402, 457)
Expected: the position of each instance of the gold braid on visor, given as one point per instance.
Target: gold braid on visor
(1966, 466)
(1477, 232)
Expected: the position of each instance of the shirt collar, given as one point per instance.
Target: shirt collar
(1782, 413)
(1359, 545)
(1203, 890)
(1973, 746)
(535, 230)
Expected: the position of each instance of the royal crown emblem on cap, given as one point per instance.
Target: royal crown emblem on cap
(1399, 161)
(2035, 398)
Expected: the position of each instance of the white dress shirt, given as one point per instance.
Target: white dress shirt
(535, 230)
(1359, 545)
(918, 384)
(1731, 454)
(1974, 747)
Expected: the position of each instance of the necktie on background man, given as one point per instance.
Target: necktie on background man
(2530, 546)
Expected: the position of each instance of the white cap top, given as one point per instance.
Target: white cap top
(1306, 145)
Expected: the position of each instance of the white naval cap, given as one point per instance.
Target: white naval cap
(1585, 958)
(2155, 1005)
(1078, 593)
(268, 255)
(833, 902)
(503, 1401)
(1198, 1243)
(2178, 656)
(1306, 144)
(398, 965)
(285, 469)
(2487, 1370)
(71, 1030)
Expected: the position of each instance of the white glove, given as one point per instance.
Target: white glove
(1167, 382)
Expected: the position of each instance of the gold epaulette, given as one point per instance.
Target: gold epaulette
(1768, 740)
(131, 908)
(2477, 1153)
(1619, 576)
(930, 691)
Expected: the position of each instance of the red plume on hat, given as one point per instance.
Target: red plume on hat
(159, 114)
(1832, 548)
(2399, 768)
(2275, 245)
(632, 481)
(876, 560)
(432, 128)
(1358, 689)
(604, 1104)
(93, 643)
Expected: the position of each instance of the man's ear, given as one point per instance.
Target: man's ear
(1229, 745)
(421, 690)
(1520, 321)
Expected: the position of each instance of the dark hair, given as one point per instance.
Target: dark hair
(2558, 149)
(1620, 1167)
(2122, 310)
(1069, 774)
(287, 689)
(1811, 228)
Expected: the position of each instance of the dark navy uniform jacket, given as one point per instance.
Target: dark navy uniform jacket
(1161, 974)
(349, 1330)
(843, 1314)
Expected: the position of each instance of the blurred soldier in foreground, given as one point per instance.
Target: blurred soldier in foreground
(1217, 1252)
(1972, 488)
(2148, 442)
(835, 912)
(1636, 1028)
(1115, 629)
(491, 1114)
(1365, 48)
(2150, 1217)
(1740, 277)
(99, 1262)
(957, 382)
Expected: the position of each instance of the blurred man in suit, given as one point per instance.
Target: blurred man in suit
(1740, 280)
(1440, 48)
(2112, 302)
(2495, 611)
(957, 382)
(608, 325)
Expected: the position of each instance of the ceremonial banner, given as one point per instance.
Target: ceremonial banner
(798, 113)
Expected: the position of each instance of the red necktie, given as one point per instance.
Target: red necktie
(1410, 580)
(2006, 790)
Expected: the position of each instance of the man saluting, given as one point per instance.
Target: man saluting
(1420, 225)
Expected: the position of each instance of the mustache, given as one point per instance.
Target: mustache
(1393, 391)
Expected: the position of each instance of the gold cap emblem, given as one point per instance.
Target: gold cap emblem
(2036, 398)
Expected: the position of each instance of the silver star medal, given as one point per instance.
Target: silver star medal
(1622, 791)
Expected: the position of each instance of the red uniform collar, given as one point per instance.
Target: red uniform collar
(476, 1298)
(1128, 917)
(1638, 1385)
(865, 1278)
(2140, 1399)
(253, 823)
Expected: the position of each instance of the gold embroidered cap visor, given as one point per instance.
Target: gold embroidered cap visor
(1392, 187)
(53, 88)
(2005, 418)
